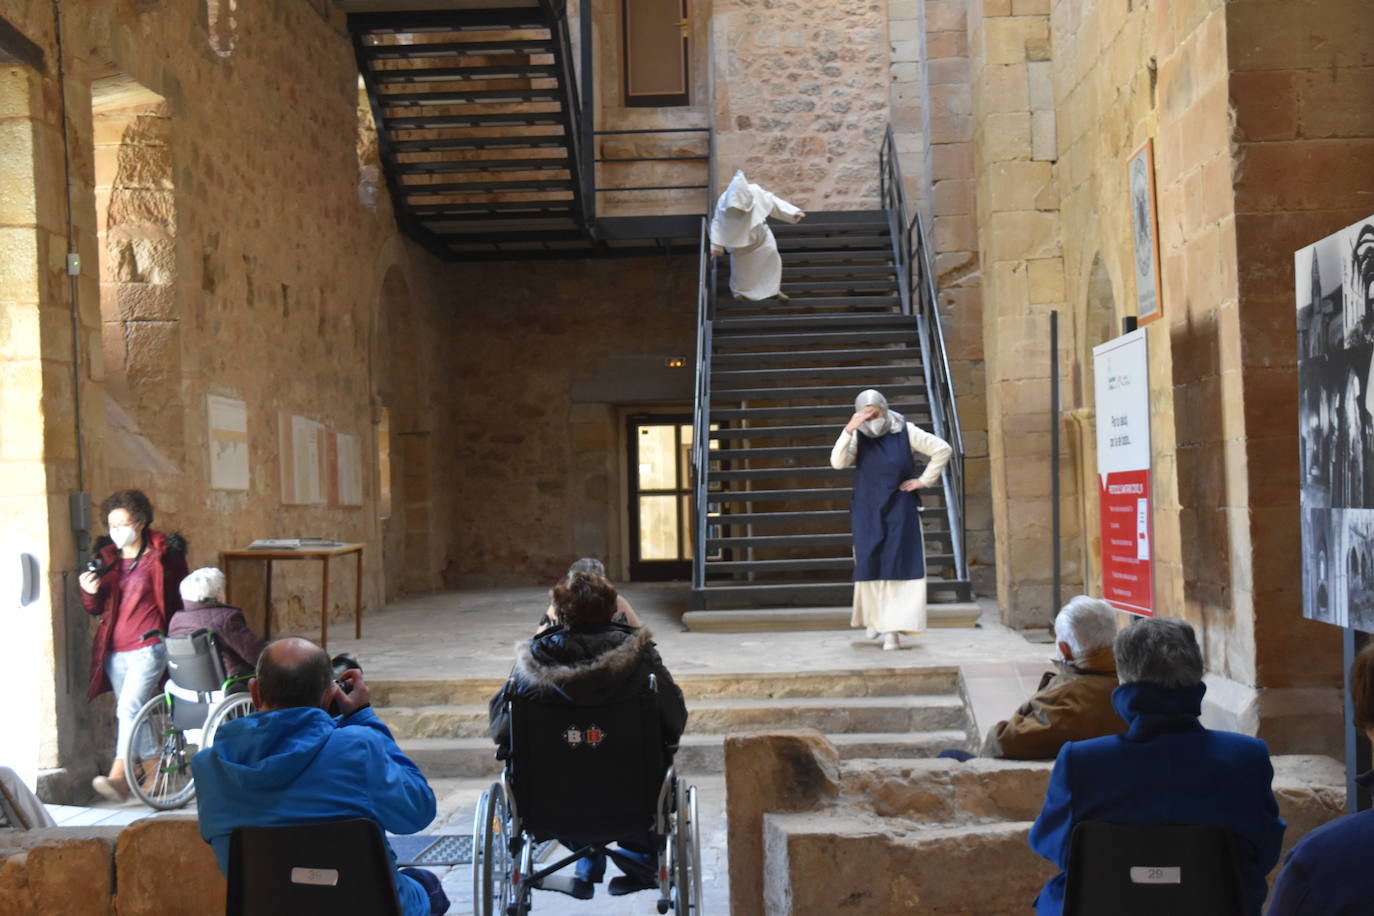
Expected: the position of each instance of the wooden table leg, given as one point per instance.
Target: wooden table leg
(224, 568)
(358, 610)
(267, 611)
(324, 606)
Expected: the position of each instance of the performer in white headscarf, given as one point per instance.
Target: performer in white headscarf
(889, 550)
(740, 224)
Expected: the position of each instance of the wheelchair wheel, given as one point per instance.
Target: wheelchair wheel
(695, 847)
(236, 707)
(686, 877)
(157, 757)
(491, 856)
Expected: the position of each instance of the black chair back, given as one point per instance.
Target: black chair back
(593, 772)
(330, 867)
(1149, 870)
(193, 662)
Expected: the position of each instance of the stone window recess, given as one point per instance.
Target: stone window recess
(655, 58)
(221, 17)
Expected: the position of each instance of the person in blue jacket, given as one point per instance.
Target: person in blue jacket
(1328, 873)
(291, 762)
(1166, 769)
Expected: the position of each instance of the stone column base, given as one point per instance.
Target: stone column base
(1293, 720)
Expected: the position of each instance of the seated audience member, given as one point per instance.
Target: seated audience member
(203, 607)
(1166, 769)
(1074, 704)
(1328, 873)
(592, 566)
(586, 659)
(20, 809)
(292, 763)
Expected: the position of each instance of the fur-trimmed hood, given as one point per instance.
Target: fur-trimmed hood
(560, 659)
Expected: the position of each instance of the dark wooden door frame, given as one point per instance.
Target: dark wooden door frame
(655, 570)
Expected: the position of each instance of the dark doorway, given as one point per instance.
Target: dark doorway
(660, 449)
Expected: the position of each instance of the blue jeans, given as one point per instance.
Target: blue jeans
(135, 676)
(638, 848)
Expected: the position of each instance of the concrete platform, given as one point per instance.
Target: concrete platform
(787, 620)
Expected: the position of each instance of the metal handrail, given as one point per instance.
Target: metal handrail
(556, 11)
(919, 299)
(701, 408)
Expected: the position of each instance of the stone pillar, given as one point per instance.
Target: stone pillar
(1022, 275)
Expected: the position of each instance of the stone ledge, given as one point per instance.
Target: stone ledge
(770, 620)
(158, 866)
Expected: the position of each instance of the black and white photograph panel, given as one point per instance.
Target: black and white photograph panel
(1350, 568)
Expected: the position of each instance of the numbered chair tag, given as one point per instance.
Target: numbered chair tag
(318, 877)
(1146, 874)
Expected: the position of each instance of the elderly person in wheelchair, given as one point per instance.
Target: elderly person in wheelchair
(587, 661)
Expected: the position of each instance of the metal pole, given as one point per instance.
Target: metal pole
(1054, 463)
(1356, 744)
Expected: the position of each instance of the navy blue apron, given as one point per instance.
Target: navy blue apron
(886, 521)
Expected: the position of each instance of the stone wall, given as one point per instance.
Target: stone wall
(810, 834)
(229, 246)
(555, 354)
(801, 97)
(158, 865)
(1022, 278)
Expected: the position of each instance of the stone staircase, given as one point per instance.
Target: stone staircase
(901, 713)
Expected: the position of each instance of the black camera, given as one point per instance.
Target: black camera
(343, 662)
(93, 565)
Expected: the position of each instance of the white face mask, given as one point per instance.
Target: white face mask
(123, 535)
(876, 427)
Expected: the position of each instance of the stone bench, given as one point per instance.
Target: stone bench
(810, 833)
(158, 866)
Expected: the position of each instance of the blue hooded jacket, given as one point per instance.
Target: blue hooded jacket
(1328, 873)
(299, 766)
(1166, 769)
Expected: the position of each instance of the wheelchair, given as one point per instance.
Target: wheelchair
(594, 772)
(169, 729)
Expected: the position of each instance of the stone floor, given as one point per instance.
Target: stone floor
(472, 633)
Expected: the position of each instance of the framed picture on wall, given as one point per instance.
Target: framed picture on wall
(1140, 173)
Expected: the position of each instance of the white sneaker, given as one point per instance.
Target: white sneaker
(890, 641)
(872, 633)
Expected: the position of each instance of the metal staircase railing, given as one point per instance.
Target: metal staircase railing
(917, 284)
(701, 415)
(584, 198)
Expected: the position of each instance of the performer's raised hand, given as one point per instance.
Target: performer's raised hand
(910, 486)
(861, 417)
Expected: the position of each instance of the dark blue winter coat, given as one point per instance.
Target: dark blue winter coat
(299, 766)
(1328, 873)
(1166, 769)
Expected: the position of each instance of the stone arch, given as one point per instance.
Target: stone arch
(1099, 323)
(404, 401)
(136, 229)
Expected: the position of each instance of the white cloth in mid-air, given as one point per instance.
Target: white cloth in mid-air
(740, 224)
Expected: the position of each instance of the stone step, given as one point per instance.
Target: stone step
(441, 758)
(868, 682)
(766, 620)
(833, 715)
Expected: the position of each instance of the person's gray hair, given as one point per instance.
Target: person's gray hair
(204, 584)
(590, 565)
(1159, 650)
(1087, 624)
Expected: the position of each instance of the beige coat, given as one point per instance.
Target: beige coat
(1073, 705)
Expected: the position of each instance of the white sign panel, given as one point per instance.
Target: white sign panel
(1121, 373)
(228, 423)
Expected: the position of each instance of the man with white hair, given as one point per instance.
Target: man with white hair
(1073, 703)
(203, 607)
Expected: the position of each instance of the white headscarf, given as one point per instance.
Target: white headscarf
(888, 422)
(738, 213)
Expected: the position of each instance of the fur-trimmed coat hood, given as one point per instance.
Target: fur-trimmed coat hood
(588, 668)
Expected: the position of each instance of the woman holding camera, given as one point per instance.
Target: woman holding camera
(133, 584)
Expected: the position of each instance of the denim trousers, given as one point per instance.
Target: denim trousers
(135, 676)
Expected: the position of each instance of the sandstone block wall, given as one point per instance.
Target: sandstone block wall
(929, 836)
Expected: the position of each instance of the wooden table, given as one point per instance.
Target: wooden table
(323, 554)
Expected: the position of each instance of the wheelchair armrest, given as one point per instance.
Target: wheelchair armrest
(151, 633)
